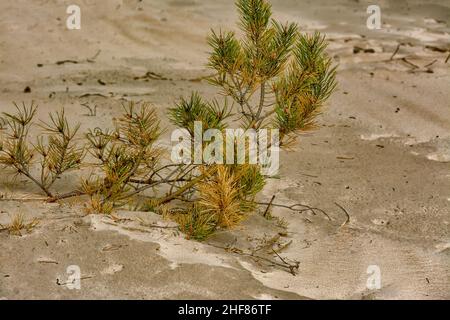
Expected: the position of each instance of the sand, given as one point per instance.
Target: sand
(382, 153)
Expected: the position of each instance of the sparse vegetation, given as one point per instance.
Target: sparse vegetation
(276, 77)
(56, 148)
(18, 225)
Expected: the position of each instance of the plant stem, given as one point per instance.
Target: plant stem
(40, 185)
(72, 194)
(182, 189)
(261, 100)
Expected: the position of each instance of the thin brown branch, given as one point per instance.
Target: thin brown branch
(291, 267)
(268, 206)
(395, 52)
(63, 196)
(304, 207)
(150, 179)
(261, 100)
(40, 185)
(183, 189)
(347, 220)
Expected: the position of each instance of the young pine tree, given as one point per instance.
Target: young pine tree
(277, 78)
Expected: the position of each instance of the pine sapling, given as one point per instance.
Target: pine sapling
(270, 77)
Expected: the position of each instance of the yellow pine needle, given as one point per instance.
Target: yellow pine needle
(220, 196)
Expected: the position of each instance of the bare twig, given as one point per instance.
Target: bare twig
(436, 49)
(268, 207)
(59, 283)
(61, 62)
(344, 158)
(268, 243)
(309, 175)
(150, 179)
(72, 194)
(292, 267)
(346, 213)
(430, 64)
(92, 110)
(183, 189)
(39, 184)
(410, 63)
(24, 199)
(285, 265)
(94, 57)
(304, 208)
(85, 95)
(156, 226)
(283, 246)
(47, 261)
(395, 52)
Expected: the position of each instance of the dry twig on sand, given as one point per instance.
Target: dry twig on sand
(302, 208)
(346, 213)
(396, 51)
(90, 60)
(268, 207)
(292, 267)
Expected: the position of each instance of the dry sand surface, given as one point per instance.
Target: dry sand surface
(382, 154)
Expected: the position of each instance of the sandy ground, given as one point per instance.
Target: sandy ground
(382, 154)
